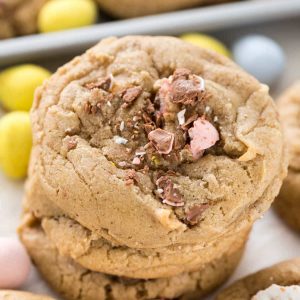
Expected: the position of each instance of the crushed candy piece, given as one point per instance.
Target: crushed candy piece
(136, 161)
(120, 140)
(195, 212)
(122, 126)
(130, 95)
(103, 83)
(181, 117)
(162, 140)
(170, 194)
(203, 136)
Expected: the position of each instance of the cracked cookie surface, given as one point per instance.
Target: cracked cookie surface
(76, 152)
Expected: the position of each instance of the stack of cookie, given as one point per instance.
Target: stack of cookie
(19, 17)
(152, 158)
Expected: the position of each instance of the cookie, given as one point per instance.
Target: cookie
(19, 17)
(148, 164)
(75, 282)
(287, 203)
(278, 280)
(135, 8)
(73, 240)
(16, 295)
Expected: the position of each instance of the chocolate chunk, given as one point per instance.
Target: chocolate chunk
(185, 91)
(169, 194)
(195, 212)
(130, 95)
(103, 83)
(162, 140)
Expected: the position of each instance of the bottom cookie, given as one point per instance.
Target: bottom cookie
(18, 295)
(76, 282)
(269, 283)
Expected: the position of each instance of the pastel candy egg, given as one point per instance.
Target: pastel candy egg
(260, 56)
(17, 85)
(15, 143)
(14, 263)
(66, 14)
(207, 42)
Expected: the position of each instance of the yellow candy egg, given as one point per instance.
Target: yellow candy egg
(66, 14)
(15, 144)
(17, 86)
(206, 42)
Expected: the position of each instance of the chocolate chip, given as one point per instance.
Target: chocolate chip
(162, 140)
(103, 83)
(170, 194)
(185, 91)
(130, 95)
(195, 212)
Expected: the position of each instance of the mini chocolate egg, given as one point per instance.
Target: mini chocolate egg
(260, 56)
(14, 263)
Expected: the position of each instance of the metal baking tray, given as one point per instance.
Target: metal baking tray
(208, 18)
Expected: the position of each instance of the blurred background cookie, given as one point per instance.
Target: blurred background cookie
(287, 203)
(281, 281)
(135, 8)
(19, 17)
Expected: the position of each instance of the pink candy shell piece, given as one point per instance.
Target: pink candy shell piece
(14, 263)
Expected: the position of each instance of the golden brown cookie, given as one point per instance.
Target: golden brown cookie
(287, 203)
(19, 17)
(151, 164)
(75, 282)
(135, 8)
(284, 274)
(19, 295)
(73, 240)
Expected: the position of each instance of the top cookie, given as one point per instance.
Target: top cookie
(284, 274)
(120, 131)
(16, 295)
(135, 8)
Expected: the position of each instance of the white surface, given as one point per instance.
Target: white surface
(207, 18)
(270, 241)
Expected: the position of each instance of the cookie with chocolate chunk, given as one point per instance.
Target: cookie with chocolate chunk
(19, 17)
(135, 8)
(281, 281)
(17, 295)
(148, 164)
(287, 203)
